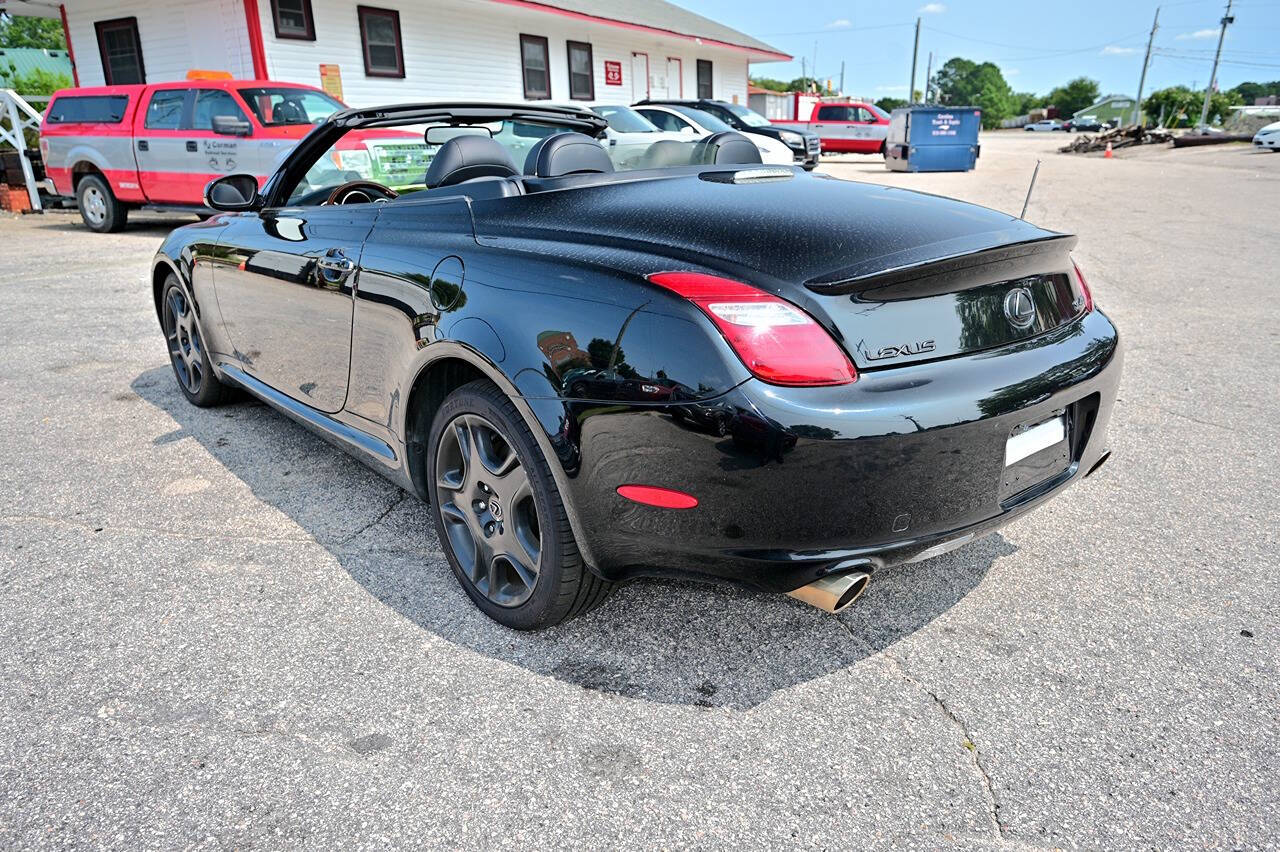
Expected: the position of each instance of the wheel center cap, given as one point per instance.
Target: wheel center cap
(495, 508)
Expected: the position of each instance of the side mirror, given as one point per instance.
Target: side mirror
(229, 125)
(688, 131)
(233, 193)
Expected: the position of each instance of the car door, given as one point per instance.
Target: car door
(833, 127)
(159, 146)
(285, 284)
(866, 128)
(213, 154)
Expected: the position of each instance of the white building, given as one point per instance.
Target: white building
(609, 51)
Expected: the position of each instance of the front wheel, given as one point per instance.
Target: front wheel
(187, 352)
(98, 205)
(500, 517)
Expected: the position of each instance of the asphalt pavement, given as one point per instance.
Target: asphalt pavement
(218, 631)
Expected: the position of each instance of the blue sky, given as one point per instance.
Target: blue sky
(1037, 44)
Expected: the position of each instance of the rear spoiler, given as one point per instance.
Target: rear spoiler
(961, 270)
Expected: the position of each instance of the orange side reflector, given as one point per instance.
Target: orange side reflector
(198, 74)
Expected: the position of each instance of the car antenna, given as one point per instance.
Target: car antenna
(1023, 215)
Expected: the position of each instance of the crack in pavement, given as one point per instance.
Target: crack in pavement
(975, 756)
(107, 527)
(399, 501)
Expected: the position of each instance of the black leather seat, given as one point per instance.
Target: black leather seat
(465, 158)
(567, 154)
(729, 147)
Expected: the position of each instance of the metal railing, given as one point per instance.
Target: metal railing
(17, 116)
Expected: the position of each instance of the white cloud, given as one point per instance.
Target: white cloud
(891, 88)
(1012, 72)
(1197, 35)
(1112, 50)
(931, 9)
(840, 24)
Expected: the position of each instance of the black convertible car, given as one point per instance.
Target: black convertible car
(704, 367)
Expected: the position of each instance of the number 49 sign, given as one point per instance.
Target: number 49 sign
(612, 73)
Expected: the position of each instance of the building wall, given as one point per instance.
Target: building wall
(176, 36)
(469, 49)
(453, 49)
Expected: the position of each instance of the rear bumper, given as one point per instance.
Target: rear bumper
(793, 483)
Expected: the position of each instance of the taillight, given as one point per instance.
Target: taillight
(777, 341)
(1084, 288)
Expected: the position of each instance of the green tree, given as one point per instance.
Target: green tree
(1025, 102)
(890, 104)
(1178, 106)
(38, 82)
(1248, 92)
(1074, 96)
(23, 31)
(769, 83)
(962, 82)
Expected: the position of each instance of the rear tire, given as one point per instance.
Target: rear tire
(99, 208)
(187, 353)
(500, 518)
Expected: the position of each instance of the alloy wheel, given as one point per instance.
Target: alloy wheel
(186, 350)
(487, 506)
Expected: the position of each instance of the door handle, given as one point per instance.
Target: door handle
(335, 266)
(143, 146)
(191, 146)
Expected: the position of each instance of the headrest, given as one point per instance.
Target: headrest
(729, 147)
(666, 153)
(567, 154)
(466, 157)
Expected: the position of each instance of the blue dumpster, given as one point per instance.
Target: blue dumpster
(932, 139)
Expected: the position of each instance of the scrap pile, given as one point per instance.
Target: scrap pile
(1120, 137)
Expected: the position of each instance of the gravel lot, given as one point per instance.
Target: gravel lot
(217, 631)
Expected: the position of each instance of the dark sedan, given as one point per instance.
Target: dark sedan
(705, 367)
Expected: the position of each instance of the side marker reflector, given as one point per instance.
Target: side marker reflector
(663, 498)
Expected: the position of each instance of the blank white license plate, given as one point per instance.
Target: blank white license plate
(1035, 439)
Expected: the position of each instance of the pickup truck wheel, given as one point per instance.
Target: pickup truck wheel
(98, 205)
(500, 518)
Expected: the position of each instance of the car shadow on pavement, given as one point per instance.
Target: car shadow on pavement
(654, 640)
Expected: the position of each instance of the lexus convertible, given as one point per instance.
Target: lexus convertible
(701, 367)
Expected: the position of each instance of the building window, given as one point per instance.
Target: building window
(121, 51)
(380, 36)
(536, 67)
(582, 76)
(293, 19)
(704, 78)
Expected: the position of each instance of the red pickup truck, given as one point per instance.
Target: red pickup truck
(117, 148)
(849, 127)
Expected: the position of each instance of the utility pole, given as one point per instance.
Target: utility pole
(1213, 75)
(1137, 107)
(816, 86)
(928, 74)
(804, 76)
(911, 90)
(842, 76)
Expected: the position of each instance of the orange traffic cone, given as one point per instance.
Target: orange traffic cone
(1108, 155)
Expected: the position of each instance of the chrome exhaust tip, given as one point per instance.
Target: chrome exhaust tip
(834, 593)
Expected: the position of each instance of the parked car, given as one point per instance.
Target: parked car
(716, 370)
(805, 146)
(695, 122)
(1045, 124)
(849, 127)
(1268, 137)
(1087, 123)
(117, 148)
(630, 135)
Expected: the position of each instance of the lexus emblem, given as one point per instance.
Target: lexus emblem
(1019, 309)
